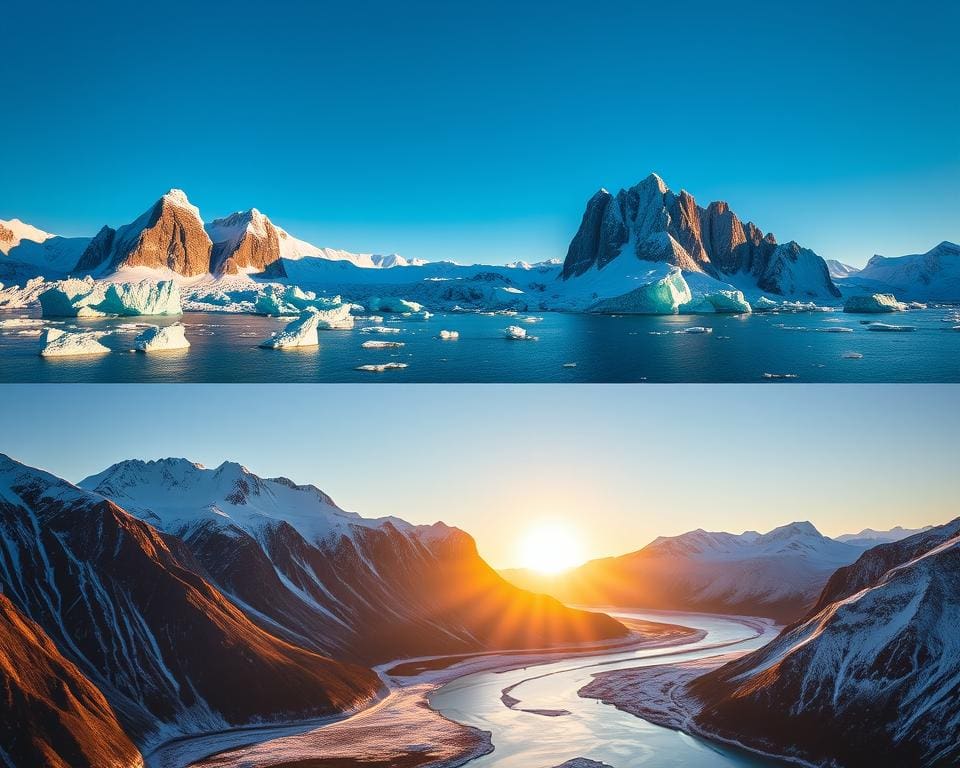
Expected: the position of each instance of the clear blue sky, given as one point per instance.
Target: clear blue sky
(478, 131)
(618, 464)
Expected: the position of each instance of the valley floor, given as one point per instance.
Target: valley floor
(399, 730)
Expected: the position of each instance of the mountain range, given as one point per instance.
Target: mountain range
(778, 574)
(869, 676)
(623, 240)
(239, 603)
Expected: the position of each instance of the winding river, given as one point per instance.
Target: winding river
(591, 729)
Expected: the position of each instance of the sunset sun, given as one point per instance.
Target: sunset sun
(550, 548)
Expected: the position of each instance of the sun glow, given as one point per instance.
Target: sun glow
(550, 547)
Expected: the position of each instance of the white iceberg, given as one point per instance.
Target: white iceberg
(380, 368)
(57, 343)
(157, 339)
(516, 333)
(87, 298)
(292, 300)
(417, 316)
(720, 301)
(381, 344)
(379, 329)
(449, 335)
(664, 296)
(890, 328)
(393, 304)
(302, 332)
(874, 303)
(763, 304)
(336, 318)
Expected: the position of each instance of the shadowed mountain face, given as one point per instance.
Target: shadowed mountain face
(871, 676)
(129, 607)
(369, 590)
(778, 574)
(52, 714)
(649, 222)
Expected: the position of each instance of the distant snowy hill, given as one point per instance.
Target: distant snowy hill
(28, 251)
(352, 587)
(870, 676)
(839, 270)
(930, 276)
(777, 574)
(649, 223)
(868, 537)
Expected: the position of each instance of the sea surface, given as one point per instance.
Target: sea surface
(570, 348)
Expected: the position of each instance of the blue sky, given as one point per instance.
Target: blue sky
(619, 465)
(442, 130)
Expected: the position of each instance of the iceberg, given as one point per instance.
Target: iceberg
(721, 301)
(890, 328)
(86, 298)
(660, 297)
(874, 303)
(393, 304)
(302, 332)
(449, 335)
(420, 316)
(57, 343)
(763, 304)
(382, 344)
(292, 300)
(516, 333)
(157, 339)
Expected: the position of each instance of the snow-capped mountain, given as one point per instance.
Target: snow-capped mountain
(868, 537)
(29, 251)
(167, 236)
(51, 713)
(777, 574)
(839, 270)
(330, 580)
(245, 241)
(650, 223)
(930, 276)
(871, 676)
(132, 609)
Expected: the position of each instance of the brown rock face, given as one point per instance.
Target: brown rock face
(243, 241)
(50, 713)
(168, 236)
(7, 238)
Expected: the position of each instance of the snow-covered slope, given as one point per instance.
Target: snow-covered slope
(650, 223)
(132, 609)
(930, 276)
(871, 676)
(29, 251)
(367, 589)
(839, 270)
(777, 574)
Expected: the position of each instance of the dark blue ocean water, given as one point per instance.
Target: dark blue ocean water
(604, 349)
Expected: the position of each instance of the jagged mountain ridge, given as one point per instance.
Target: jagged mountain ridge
(131, 608)
(324, 577)
(778, 574)
(652, 223)
(870, 676)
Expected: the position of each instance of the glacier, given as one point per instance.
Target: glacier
(161, 339)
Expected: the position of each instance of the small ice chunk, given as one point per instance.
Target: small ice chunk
(569, 365)
(780, 375)
(381, 367)
(57, 343)
(379, 329)
(157, 339)
(416, 317)
(891, 328)
(449, 335)
(696, 329)
(381, 344)
(852, 355)
(516, 333)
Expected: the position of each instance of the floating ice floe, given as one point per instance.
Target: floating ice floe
(157, 339)
(302, 332)
(780, 375)
(694, 329)
(392, 304)
(569, 365)
(852, 355)
(874, 303)
(516, 333)
(381, 344)
(381, 367)
(532, 319)
(415, 317)
(292, 300)
(891, 328)
(57, 343)
(449, 335)
(721, 301)
(87, 298)
(379, 329)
